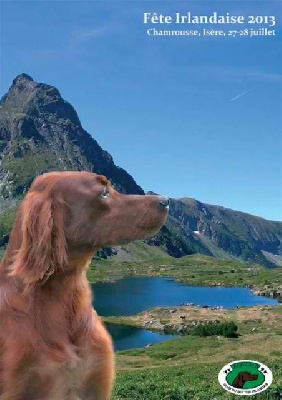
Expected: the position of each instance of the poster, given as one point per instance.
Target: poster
(164, 98)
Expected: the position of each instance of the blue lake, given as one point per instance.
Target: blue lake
(130, 296)
(128, 337)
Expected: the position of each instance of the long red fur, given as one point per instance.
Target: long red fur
(53, 346)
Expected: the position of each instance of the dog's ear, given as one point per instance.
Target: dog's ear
(42, 247)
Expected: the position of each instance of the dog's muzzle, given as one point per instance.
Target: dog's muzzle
(164, 201)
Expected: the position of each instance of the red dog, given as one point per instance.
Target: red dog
(52, 343)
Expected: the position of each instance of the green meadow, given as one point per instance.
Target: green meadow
(186, 368)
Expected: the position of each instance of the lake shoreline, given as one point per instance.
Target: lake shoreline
(182, 319)
(257, 290)
(194, 270)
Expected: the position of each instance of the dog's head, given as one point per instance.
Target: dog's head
(251, 377)
(66, 213)
(243, 377)
(99, 216)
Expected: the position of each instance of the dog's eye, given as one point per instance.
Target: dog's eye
(105, 193)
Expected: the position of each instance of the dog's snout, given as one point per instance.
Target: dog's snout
(164, 201)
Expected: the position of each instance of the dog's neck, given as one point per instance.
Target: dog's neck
(74, 271)
(72, 277)
(63, 287)
(78, 257)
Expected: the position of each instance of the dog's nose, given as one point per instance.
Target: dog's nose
(164, 201)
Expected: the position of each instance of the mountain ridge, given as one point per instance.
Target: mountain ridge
(237, 233)
(41, 132)
(228, 208)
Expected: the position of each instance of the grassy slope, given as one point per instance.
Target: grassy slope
(195, 270)
(7, 219)
(186, 368)
(167, 376)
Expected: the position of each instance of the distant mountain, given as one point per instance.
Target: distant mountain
(230, 234)
(40, 132)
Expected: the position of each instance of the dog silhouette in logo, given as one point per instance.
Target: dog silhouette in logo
(243, 377)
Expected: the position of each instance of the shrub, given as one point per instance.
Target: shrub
(226, 329)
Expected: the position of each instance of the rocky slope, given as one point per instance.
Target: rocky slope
(40, 132)
(230, 234)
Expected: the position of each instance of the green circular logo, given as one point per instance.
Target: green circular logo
(245, 377)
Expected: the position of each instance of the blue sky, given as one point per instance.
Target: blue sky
(187, 117)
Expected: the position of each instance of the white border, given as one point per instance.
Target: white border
(245, 392)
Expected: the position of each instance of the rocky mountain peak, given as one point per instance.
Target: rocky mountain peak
(22, 85)
(22, 79)
(42, 132)
(27, 97)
